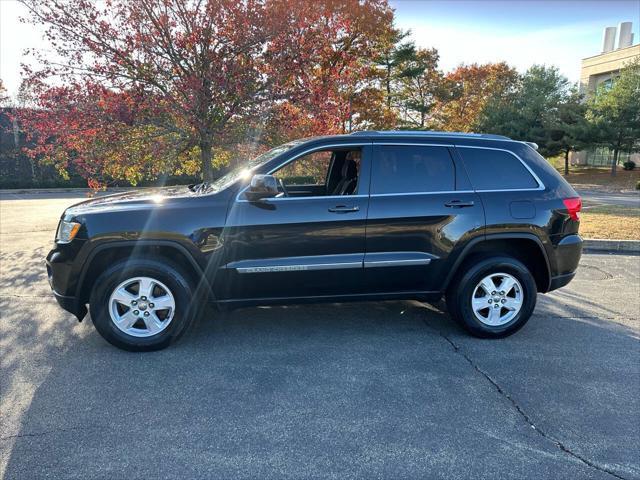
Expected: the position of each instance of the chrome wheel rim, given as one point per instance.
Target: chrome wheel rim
(141, 307)
(497, 299)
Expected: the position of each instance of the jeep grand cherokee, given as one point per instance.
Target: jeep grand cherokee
(482, 220)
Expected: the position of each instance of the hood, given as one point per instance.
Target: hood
(145, 198)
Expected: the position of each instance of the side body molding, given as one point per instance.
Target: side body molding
(332, 262)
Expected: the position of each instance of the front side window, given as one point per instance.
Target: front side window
(412, 169)
(321, 173)
(496, 170)
(309, 169)
(244, 169)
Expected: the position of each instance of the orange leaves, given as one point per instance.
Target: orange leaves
(145, 81)
(471, 87)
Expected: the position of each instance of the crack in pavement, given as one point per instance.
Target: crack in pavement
(519, 409)
(44, 433)
(17, 295)
(67, 429)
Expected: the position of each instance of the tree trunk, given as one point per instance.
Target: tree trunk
(206, 154)
(566, 162)
(614, 164)
(388, 86)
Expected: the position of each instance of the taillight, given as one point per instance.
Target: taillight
(574, 205)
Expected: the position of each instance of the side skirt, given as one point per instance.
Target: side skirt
(364, 297)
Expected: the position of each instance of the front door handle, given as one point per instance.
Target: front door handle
(343, 209)
(458, 204)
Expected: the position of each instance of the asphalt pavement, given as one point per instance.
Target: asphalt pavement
(623, 199)
(370, 390)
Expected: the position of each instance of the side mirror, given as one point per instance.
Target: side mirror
(261, 186)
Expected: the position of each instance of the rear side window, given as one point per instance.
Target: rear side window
(409, 169)
(496, 170)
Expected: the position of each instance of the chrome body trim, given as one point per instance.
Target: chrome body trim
(445, 192)
(397, 263)
(332, 262)
(397, 259)
(540, 186)
(299, 268)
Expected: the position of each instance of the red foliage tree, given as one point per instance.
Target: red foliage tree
(471, 87)
(180, 76)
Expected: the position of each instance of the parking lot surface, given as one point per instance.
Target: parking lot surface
(370, 390)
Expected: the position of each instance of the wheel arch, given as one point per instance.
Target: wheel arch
(105, 255)
(525, 247)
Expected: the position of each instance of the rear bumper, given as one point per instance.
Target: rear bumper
(568, 252)
(561, 280)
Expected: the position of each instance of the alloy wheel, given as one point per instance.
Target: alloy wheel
(141, 306)
(497, 299)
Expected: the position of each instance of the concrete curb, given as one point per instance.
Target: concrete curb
(67, 190)
(611, 246)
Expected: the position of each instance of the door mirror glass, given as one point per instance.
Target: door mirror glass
(262, 186)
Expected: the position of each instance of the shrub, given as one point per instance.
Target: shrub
(638, 185)
(629, 165)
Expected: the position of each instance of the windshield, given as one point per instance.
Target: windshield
(246, 168)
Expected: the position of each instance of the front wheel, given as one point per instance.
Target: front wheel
(494, 297)
(141, 304)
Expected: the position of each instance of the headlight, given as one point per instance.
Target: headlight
(67, 231)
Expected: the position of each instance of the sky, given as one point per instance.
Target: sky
(522, 33)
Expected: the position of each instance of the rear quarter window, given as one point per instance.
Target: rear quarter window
(412, 169)
(496, 170)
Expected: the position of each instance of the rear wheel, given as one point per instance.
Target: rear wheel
(142, 304)
(493, 297)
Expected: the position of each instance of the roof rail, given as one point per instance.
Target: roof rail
(431, 133)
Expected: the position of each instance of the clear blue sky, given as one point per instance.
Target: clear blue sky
(524, 32)
(553, 32)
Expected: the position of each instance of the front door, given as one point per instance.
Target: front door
(308, 241)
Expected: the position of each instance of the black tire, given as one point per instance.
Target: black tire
(459, 295)
(179, 284)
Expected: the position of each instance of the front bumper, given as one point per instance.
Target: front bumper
(71, 305)
(59, 273)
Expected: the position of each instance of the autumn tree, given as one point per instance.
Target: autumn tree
(470, 87)
(614, 112)
(4, 97)
(196, 69)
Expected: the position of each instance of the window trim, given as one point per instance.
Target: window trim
(527, 167)
(298, 155)
(374, 143)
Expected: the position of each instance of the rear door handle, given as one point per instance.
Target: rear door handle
(343, 209)
(458, 204)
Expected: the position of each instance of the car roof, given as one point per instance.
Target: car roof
(427, 133)
(464, 137)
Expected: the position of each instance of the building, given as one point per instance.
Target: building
(618, 50)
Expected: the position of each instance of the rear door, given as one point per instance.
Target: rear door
(421, 207)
